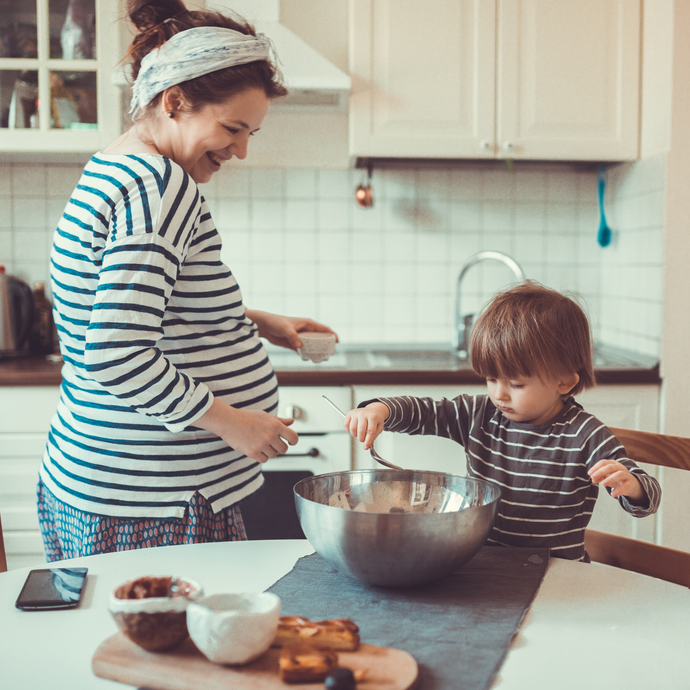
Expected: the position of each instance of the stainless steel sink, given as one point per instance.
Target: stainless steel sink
(417, 359)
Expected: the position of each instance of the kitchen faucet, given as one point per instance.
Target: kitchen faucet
(462, 324)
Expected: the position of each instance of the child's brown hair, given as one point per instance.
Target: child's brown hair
(532, 330)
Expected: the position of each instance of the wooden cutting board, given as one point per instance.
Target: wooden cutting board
(186, 668)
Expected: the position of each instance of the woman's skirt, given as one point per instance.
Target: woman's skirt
(70, 533)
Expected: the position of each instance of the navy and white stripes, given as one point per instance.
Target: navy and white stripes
(152, 326)
(547, 497)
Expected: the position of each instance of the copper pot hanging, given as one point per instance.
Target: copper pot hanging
(363, 194)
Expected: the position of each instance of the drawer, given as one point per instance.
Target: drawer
(311, 412)
(26, 560)
(24, 543)
(26, 409)
(18, 477)
(19, 446)
(19, 514)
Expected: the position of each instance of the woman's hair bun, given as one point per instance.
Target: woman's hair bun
(147, 14)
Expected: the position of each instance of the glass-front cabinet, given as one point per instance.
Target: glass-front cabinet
(57, 58)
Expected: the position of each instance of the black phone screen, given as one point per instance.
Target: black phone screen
(52, 588)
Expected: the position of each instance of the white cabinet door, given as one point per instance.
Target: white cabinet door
(422, 78)
(627, 407)
(624, 406)
(25, 414)
(522, 79)
(567, 79)
(414, 452)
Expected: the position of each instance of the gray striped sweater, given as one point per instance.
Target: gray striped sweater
(152, 327)
(547, 497)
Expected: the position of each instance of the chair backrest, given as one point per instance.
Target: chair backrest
(642, 557)
(655, 449)
(3, 557)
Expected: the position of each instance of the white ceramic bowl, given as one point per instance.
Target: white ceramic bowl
(234, 628)
(146, 613)
(316, 346)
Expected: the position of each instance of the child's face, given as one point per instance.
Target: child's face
(527, 399)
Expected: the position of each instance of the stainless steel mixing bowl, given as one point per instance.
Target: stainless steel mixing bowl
(396, 528)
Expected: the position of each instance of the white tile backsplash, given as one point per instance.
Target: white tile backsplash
(6, 220)
(299, 244)
(5, 181)
(29, 181)
(29, 212)
(632, 267)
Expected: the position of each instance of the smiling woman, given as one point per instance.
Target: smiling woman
(168, 398)
(200, 141)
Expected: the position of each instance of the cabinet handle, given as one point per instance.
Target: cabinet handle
(296, 412)
(311, 453)
(507, 145)
(485, 145)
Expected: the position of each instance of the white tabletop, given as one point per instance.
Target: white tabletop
(590, 626)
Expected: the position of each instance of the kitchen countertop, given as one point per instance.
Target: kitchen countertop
(367, 364)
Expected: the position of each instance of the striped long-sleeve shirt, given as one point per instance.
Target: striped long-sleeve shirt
(152, 327)
(547, 497)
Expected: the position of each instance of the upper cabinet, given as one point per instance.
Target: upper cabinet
(56, 62)
(520, 79)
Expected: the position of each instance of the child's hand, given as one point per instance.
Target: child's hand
(611, 473)
(366, 423)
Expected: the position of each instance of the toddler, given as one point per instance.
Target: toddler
(527, 435)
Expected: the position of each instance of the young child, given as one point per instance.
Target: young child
(527, 435)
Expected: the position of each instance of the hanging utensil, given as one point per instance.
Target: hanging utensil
(604, 236)
(373, 453)
(363, 194)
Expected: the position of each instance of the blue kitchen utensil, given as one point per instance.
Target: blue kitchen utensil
(604, 236)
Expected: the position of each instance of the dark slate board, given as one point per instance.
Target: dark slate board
(458, 628)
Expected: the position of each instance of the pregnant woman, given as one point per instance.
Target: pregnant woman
(168, 397)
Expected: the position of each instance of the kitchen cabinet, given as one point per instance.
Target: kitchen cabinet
(56, 62)
(485, 79)
(24, 424)
(626, 406)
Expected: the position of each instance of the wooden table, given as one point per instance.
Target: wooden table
(590, 626)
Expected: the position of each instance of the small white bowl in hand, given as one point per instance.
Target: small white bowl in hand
(317, 346)
(234, 629)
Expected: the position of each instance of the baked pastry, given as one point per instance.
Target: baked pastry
(304, 662)
(340, 634)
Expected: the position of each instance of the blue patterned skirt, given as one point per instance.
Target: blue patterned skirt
(70, 533)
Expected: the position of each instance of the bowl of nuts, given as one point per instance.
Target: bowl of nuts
(152, 611)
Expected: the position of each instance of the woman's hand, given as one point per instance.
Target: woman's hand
(255, 433)
(284, 330)
(366, 423)
(613, 474)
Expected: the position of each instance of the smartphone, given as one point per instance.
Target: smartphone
(52, 588)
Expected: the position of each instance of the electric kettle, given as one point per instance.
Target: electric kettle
(16, 315)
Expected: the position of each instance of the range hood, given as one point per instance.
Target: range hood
(311, 79)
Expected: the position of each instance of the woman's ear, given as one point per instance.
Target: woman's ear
(568, 384)
(172, 101)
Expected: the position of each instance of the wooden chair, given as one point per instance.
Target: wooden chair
(630, 554)
(3, 557)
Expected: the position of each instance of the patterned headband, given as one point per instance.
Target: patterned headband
(193, 53)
